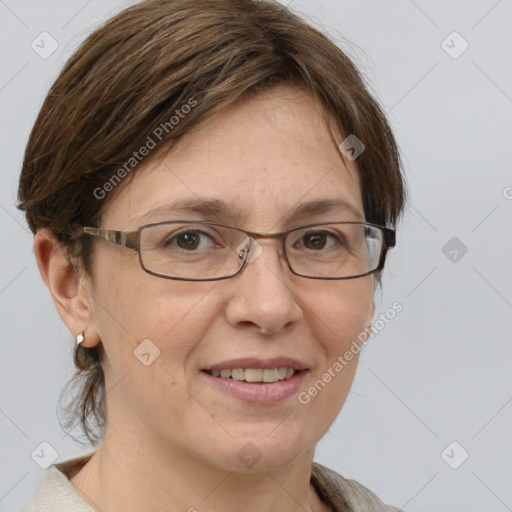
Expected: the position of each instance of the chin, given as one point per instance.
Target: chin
(253, 453)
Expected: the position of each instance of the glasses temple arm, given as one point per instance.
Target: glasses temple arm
(128, 239)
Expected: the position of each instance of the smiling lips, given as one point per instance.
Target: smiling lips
(258, 392)
(255, 374)
(257, 370)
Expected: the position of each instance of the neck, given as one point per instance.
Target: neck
(127, 475)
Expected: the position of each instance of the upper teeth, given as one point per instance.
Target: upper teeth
(255, 374)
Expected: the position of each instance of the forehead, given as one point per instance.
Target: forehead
(259, 163)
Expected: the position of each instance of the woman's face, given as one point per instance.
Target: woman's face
(263, 158)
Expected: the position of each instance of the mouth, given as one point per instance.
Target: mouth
(255, 375)
(252, 384)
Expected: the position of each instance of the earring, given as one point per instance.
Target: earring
(80, 338)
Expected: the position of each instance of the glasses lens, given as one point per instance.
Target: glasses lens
(191, 250)
(334, 250)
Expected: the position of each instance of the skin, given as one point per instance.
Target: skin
(172, 439)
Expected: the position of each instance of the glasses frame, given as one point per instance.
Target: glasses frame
(131, 240)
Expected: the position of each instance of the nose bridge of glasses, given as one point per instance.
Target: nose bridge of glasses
(253, 245)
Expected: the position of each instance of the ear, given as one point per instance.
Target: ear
(69, 293)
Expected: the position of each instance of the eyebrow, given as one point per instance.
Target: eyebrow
(222, 210)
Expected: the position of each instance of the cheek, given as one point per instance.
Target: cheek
(342, 310)
(123, 305)
(172, 314)
(339, 315)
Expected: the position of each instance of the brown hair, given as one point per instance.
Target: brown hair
(136, 72)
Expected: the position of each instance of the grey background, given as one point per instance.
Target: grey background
(440, 371)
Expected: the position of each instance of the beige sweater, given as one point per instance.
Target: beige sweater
(55, 493)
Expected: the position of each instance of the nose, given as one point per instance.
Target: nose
(262, 294)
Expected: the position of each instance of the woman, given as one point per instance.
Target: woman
(211, 189)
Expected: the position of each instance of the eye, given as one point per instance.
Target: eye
(319, 240)
(189, 240)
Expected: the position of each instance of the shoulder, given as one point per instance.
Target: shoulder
(54, 493)
(344, 494)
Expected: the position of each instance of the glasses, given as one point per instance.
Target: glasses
(190, 250)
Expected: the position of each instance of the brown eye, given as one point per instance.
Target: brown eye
(188, 240)
(315, 240)
(320, 240)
